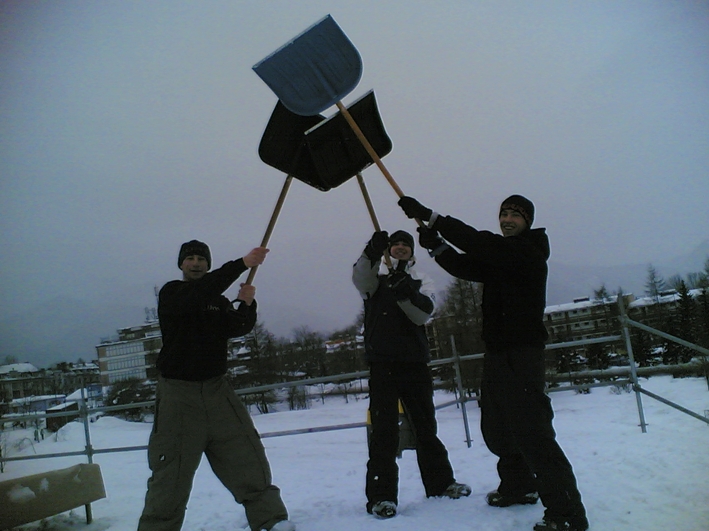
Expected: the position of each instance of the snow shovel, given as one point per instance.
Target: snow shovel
(373, 215)
(322, 153)
(271, 224)
(326, 159)
(315, 70)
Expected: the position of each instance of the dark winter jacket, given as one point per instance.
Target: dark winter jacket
(514, 273)
(393, 329)
(197, 321)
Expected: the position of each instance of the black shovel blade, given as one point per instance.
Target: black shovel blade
(283, 145)
(323, 153)
(336, 152)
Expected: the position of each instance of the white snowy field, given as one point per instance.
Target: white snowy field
(657, 481)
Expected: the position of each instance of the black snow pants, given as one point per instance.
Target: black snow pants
(410, 382)
(516, 423)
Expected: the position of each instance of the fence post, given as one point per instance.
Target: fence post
(461, 391)
(89, 449)
(633, 369)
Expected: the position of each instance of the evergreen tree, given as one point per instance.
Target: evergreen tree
(642, 347)
(460, 316)
(703, 321)
(685, 325)
(654, 284)
(602, 296)
(703, 317)
(598, 358)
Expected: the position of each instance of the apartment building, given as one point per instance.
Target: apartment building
(587, 318)
(131, 355)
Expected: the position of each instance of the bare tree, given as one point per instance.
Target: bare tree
(310, 348)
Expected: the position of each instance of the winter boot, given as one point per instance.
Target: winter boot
(578, 523)
(284, 525)
(384, 509)
(496, 499)
(457, 490)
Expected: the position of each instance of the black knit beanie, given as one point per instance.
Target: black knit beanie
(522, 205)
(194, 247)
(401, 236)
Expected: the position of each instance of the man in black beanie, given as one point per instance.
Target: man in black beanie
(196, 411)
(516, 418)
(397, 305)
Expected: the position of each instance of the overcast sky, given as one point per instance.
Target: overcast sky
(129, 127)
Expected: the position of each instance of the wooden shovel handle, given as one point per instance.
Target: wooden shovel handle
(372, 214)
(372, 153)
(272, 223)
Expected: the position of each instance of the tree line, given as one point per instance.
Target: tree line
(456, 327)
(457, 324)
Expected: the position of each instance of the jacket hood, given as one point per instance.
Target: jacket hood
(540, 239)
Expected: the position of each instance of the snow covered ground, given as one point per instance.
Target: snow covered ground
(658, 481)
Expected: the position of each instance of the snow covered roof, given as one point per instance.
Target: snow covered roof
(31, 399)
(62, 407)
(579, 304)
(88, 393)
(664, 298)
(19, 367)
(587, 302)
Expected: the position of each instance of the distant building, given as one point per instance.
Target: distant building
(584, 318)
(17, 368)
(23, 380)
(131, 355)
(18, 380)
(55, 423)
(587, 318)
(35, 404)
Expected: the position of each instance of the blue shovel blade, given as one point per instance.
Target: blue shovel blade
(313, 71)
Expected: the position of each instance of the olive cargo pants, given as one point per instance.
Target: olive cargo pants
(195, 418)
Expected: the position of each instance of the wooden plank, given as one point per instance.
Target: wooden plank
(31, 498)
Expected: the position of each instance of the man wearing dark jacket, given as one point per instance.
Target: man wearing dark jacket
(196, 410)
(397, 305)
(516, 418)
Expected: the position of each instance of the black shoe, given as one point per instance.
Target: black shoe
(383, 509)
(496, 499)
(579, 523)
(457, 490)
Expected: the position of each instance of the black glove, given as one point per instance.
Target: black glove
(429, 238)
(414, 209)
(403, 286)
(377, 244)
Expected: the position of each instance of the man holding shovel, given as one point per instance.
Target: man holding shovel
(516, 419)
(396, 307)
(196, 410)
